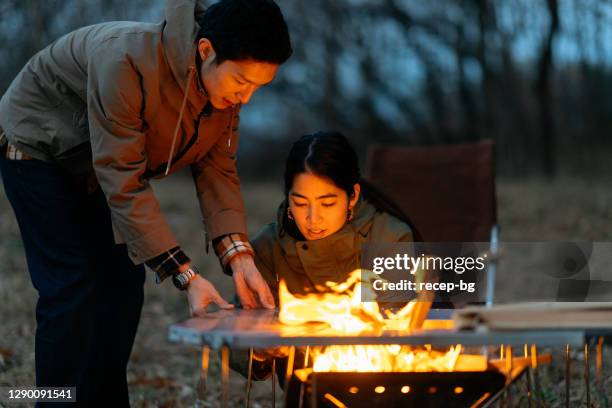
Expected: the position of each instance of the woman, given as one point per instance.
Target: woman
(327, 214)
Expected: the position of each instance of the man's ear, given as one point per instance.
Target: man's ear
(206, 50)
(355, 196)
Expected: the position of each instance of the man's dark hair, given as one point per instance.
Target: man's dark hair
(246, 29)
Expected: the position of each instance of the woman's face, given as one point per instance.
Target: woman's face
(318, 206)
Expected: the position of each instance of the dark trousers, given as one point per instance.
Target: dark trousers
(90, 294)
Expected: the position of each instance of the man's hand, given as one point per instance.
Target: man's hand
(251, 287)
(201, 293)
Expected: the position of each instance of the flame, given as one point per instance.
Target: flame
(342, 309)
(343, 312)
(384, 358)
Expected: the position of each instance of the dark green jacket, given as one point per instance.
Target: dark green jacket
(304, 264)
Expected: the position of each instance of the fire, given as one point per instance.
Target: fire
(342, 309)
(386, 358)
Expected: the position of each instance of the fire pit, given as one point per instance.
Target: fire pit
(357, 354)
(359, 375)
(431, 389)
(252, 329)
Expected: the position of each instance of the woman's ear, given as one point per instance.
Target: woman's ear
(206, 50)
(355, 197)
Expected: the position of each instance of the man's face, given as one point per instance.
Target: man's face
(232, 82)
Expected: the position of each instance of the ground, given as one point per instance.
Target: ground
(162, 374)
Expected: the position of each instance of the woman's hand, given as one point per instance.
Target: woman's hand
(251, 287)
(201, 293)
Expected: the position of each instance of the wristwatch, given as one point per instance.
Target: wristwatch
(181, 280)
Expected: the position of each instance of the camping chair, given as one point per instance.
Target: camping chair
(448, 192)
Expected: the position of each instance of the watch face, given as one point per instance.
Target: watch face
(176, 282)
(179, 281)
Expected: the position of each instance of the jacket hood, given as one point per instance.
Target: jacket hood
(179, 34)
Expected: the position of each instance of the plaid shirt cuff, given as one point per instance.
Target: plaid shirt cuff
(11, 152)
(168, 263)
(229, 246)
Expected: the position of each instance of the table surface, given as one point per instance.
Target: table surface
(260, 328)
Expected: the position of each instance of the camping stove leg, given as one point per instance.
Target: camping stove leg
(273, 383)
(225, 376)
(306, 356)
(501, 358)
(314, 398)
(302, 386)
(567, 376)
(203, 373)
(289, 373)
(301, 401)
(528, 377)
(536, 376)
(247, 402)
(509, 369)
(599, 365)
(587, 375)
(599, 359)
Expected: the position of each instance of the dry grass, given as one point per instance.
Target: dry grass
(164, 374)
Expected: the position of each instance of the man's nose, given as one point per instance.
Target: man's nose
(245, 95)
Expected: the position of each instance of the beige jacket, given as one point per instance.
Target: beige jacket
(109, 96)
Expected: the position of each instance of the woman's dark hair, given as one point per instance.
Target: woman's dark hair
(329, 154)
(246, 29)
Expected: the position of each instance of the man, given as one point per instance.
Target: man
(86, 123)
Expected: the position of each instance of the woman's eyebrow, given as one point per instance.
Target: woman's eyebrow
(329, 195)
